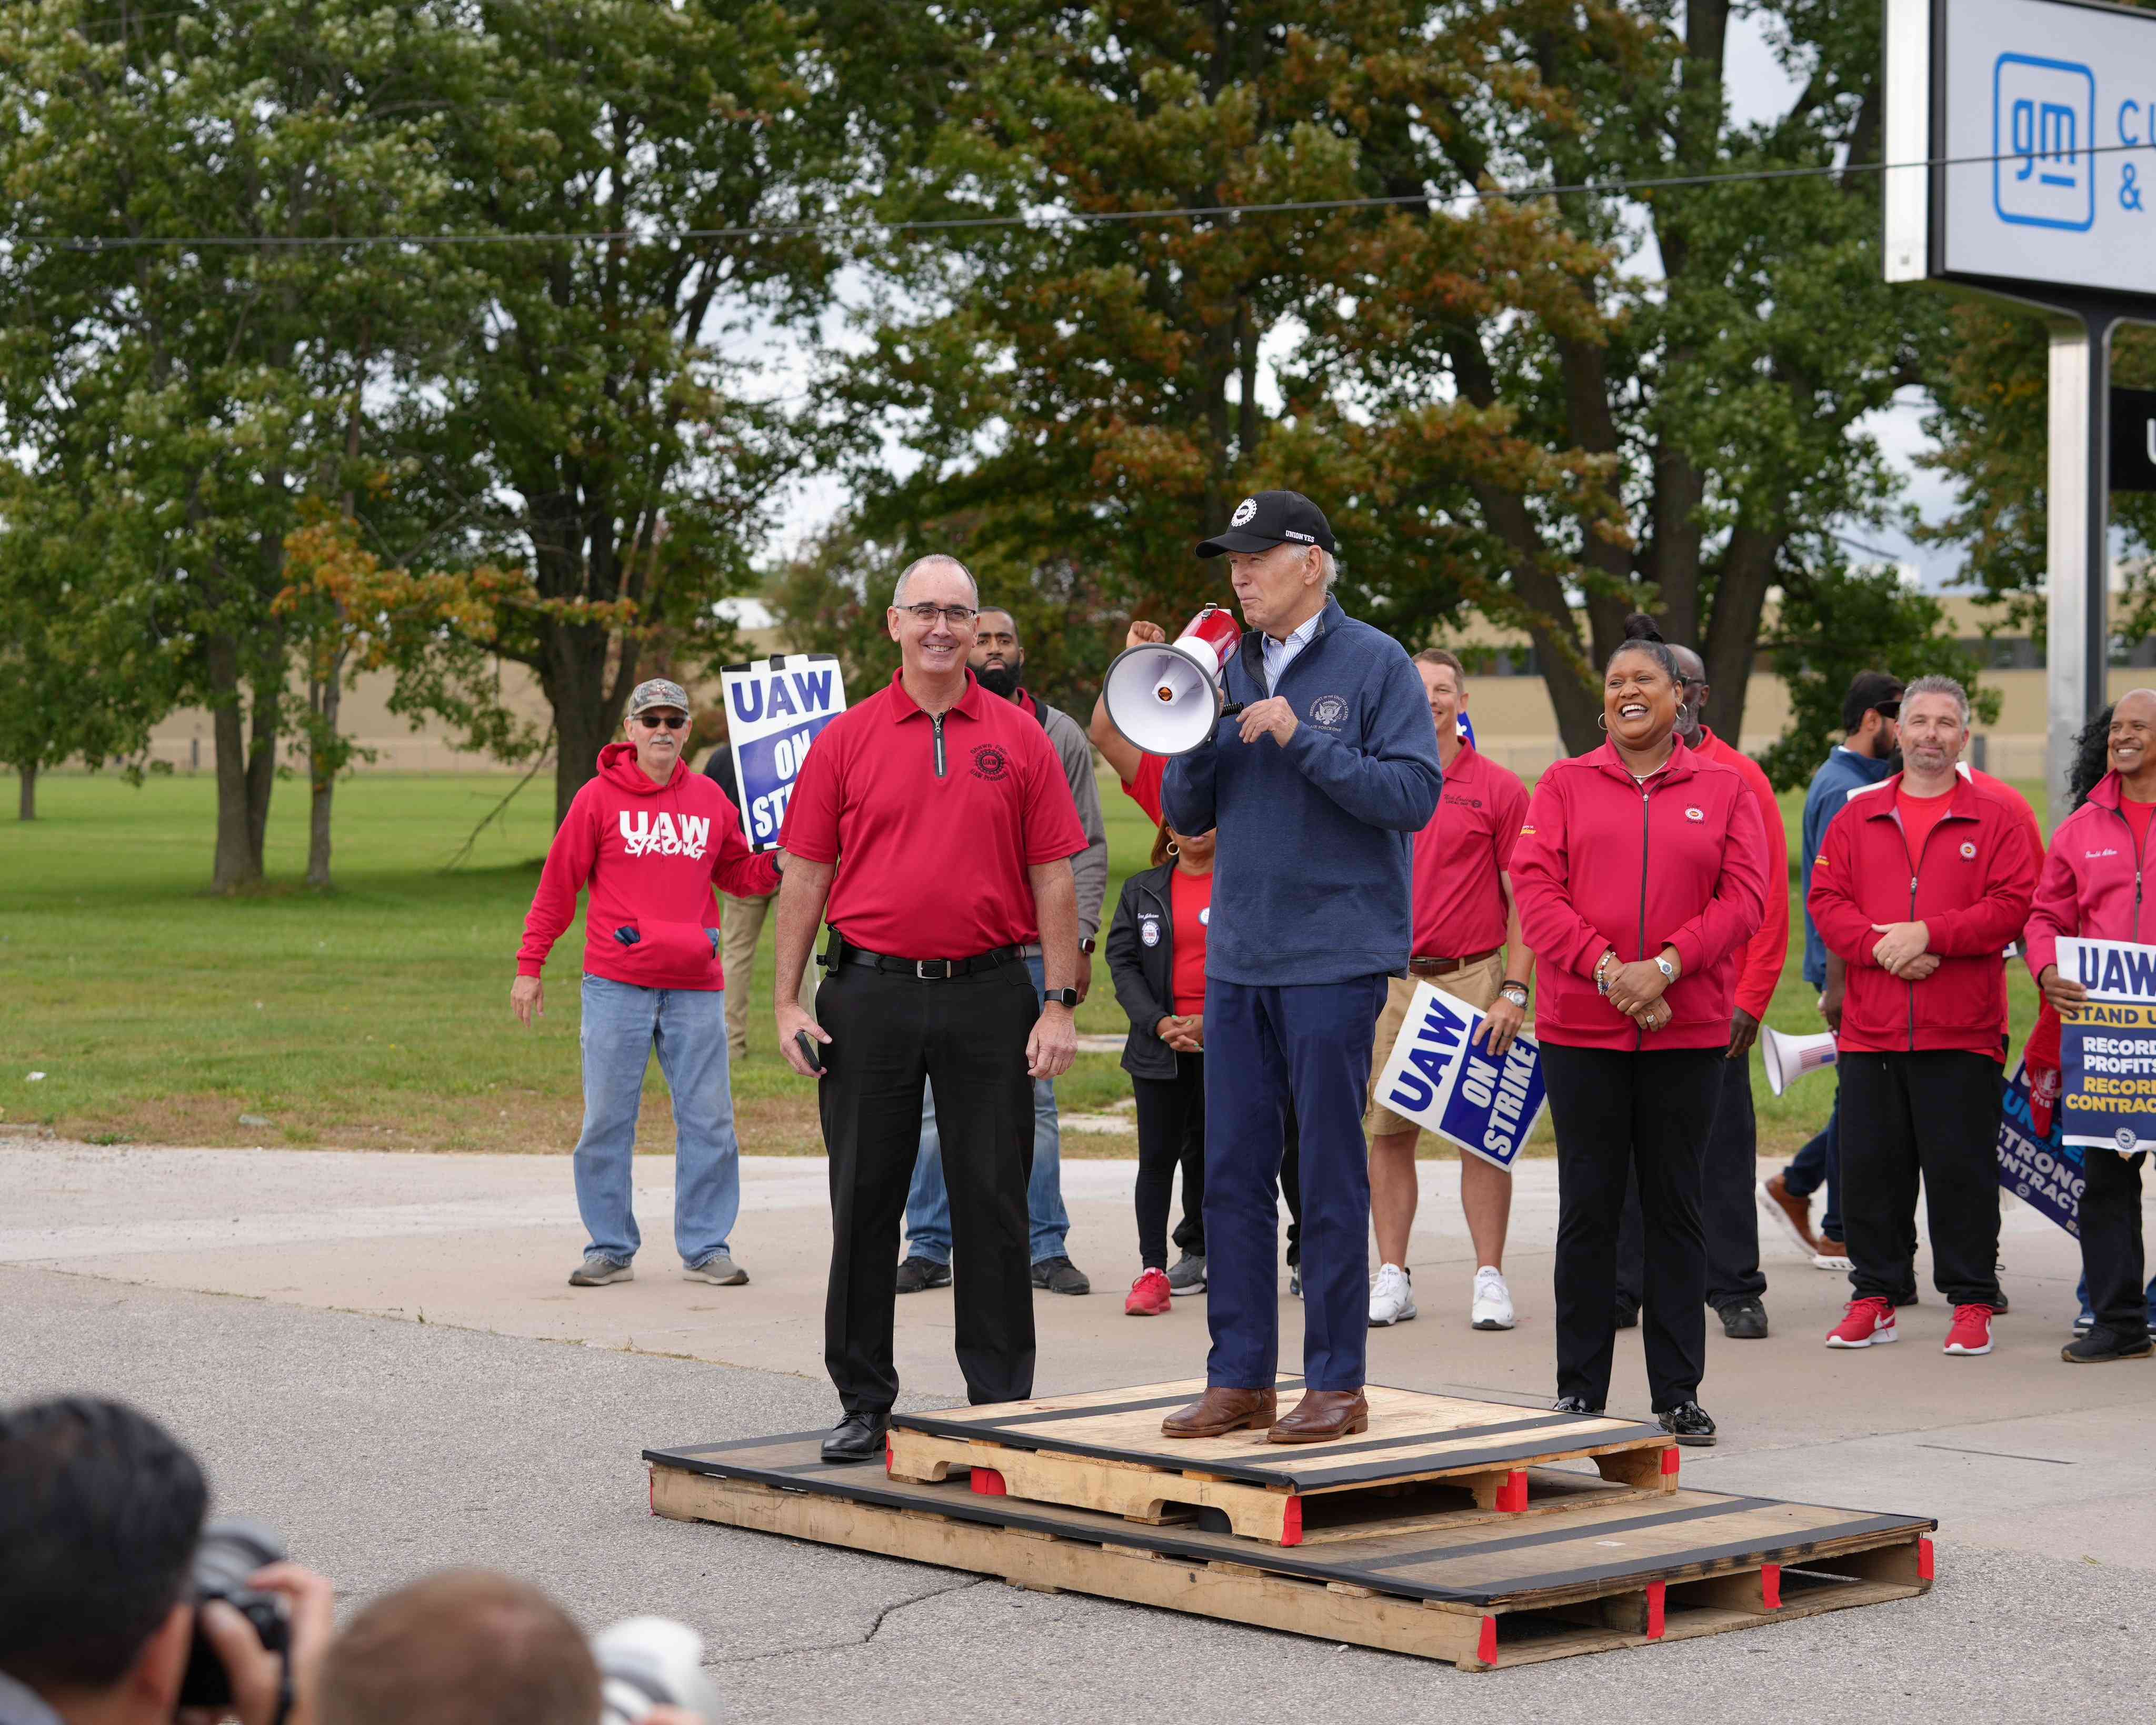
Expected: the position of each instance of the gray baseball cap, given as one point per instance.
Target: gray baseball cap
(658, 691)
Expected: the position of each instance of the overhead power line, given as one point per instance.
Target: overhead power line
(1048, 220)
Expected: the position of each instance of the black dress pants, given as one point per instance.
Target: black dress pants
(1170, 1111)
(1729, 1209)
(1622, 1116)
(2111, 1255)
(966, 1038)
(1934, 1114)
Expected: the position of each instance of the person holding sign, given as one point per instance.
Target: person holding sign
(2091, 887)
(742, 919)
(1640, 873)
(1923, 882)
(1156, 956)
(934, 823)
(649, 837)
(1316, 789)
(1467, 943)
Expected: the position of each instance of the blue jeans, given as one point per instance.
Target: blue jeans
(928, 1204)
(622, 1024)
(1819, 1163)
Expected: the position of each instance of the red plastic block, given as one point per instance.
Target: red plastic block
(1512, 1495)
(1770, 1586)
(1671, 1459)
(1655, 1591)
(1292, 1521)
(887, 1452)
(1485, 1649)
(989, 1482)
(1924, 1560)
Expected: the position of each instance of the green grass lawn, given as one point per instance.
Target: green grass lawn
(377, 1014)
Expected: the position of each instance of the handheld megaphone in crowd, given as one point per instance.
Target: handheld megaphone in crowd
(1790, 1058)
(1166, 697)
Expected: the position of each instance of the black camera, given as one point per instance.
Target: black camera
(229, 1553)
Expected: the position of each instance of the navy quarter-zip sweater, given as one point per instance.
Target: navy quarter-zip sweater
(1312, 881)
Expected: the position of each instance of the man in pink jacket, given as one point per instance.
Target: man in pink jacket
(649, 837)
(2092, 886)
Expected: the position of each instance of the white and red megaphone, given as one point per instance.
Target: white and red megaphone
(1790, 1058)
(1166, 696)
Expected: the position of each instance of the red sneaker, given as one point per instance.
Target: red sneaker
(1972, 1330)
(1866, 1323)
(1149, 1295)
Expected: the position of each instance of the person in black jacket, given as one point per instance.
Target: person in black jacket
(1157, 957)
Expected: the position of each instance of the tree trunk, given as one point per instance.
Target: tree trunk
(26, 807)
(321, 777)
(585, 710)
(262, 759)
(239, 862)
(1740, 600)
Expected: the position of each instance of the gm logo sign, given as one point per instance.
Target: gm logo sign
(2043, 142)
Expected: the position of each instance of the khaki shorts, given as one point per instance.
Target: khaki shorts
(1477, 984)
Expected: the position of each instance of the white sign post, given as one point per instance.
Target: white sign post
(775, 707)
(2021, 139)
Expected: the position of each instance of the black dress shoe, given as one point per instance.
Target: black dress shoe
(1573, 1405)
(1688, 1423)
(858, 1437)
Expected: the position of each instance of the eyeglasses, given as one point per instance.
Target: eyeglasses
(652, 721)
(956, 615)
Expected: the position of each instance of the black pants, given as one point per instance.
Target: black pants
(1621, 1116)
(965, 1038)
(1933, 1114)
(1729, 1211)
(2111, 1242)
(1171, 1124)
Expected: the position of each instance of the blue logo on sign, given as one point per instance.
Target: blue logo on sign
(2043, 142)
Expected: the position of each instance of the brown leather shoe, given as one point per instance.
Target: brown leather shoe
(1794, 1213)
(1222, 1409)
(1322, 1415)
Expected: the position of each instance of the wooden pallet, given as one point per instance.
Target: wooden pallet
(1480, 1592)
(1105, 1451)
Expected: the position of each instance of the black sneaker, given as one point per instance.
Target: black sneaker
(2100, 1347)
(1573, 1405)
(1744, 1320)
(1688, 1423)
(1060, 1276)
(1627, 1317)
(1187, 1274)
(917, 1275)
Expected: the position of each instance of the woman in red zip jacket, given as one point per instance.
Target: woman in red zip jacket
(2092, 885)
(1640, 874)
(1922, 881)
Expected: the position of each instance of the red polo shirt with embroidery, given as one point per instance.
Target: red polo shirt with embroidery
(932, 826)
(1459, 900)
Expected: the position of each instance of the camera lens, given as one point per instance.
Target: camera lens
(647, 1662)
(230, 1551)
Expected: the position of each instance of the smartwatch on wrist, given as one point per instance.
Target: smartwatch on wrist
(1060, 997)
(1087, 945)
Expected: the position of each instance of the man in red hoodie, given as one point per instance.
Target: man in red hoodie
(649, 837)
(1920, 885)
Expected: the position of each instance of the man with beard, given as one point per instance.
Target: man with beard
(998, 665)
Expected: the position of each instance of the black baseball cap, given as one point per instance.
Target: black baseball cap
(1269, 518)
(1867, 690)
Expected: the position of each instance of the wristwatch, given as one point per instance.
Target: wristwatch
(1060, 997)
(1669, 970)
(1087, 945)
(1517, 992)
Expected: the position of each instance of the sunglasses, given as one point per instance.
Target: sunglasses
(652, 721)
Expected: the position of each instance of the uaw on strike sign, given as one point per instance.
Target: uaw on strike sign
(2107, 1047)
(775, 707)
(1440, 1078)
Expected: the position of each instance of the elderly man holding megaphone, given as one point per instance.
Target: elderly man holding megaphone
(1306, 742)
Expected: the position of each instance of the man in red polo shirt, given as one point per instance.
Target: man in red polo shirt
(934, 823)
(1467, 943)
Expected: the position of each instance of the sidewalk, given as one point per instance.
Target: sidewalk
(2014, 1451)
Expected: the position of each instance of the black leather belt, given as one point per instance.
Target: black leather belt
(926, 970)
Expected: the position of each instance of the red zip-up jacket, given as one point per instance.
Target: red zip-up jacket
(1759, 962)
(649, 854)
(2091, 883)
(1970, 890)
(1604, 861)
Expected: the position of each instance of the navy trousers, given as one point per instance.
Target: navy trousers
(1269, 1050)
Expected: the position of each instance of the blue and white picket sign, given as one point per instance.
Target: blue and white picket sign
(1446, 1082)
(775, 707)
(2107, 1047)
(2045, 1174)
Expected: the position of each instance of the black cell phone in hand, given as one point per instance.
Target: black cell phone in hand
(810, 1051)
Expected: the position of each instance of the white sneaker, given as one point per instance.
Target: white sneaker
(1492, 1309)
(1392, 1297)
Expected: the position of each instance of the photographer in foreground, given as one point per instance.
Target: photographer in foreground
(100, 1523)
